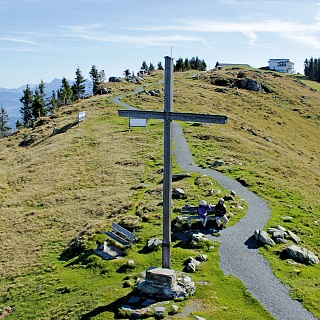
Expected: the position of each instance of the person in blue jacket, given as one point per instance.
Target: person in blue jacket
(203, 212)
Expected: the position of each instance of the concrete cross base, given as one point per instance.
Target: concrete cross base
(163, 284)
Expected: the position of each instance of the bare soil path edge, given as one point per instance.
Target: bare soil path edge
(239, 253)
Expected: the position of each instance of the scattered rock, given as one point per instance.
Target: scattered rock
(218, 163)
(202, 257)
(198, 237)
(177, 177)
(154, 243)
(131, 264)
(293, 236)
(178, 194)
(281, 228)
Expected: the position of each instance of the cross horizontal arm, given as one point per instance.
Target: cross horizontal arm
(141, 114)
(198, 117)
(194, 117)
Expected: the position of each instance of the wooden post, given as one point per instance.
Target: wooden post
(167, 172)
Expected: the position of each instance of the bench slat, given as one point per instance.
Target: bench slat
(117, 238)
(187, 212)
(124, 232)
(190, 209)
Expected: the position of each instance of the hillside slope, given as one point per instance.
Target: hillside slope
(57, 187)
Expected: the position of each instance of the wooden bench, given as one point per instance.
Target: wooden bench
(121, 235)
(190, 213)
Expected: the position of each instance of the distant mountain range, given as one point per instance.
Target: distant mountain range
(10, 98)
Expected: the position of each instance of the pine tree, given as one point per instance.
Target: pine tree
(160, 67)
(26, 109)
(42, 90)
(79, 88)
(52, 102)
(179, 67)
(18, 125)
(65, 94)
(126, 73)
(151, 67)
(193, 63)
(4, 120)
(96, 78)
(144, 66)
(186, 64)
(38, 105)
(203, 66)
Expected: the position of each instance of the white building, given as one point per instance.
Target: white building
(281, 65)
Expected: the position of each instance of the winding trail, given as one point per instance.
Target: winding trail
(239, 254)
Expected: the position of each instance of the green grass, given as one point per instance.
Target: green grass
(79, 181)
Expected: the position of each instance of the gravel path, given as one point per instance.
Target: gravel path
(239, 253)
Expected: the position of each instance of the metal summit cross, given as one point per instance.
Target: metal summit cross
(168, 116)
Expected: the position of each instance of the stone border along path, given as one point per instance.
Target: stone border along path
(238, 250)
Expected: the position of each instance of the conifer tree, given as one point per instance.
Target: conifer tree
(312, 69)
(126, 73)
(79, 88)
(26, 109)
(179, 66)
(186, 64)
(18, 125)
(65, 94)
(160, 67)
(4, 120)
(38, 104)
(52, 102)
(95, 76)
(144, 66)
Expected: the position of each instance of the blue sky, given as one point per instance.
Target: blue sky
(46, 39)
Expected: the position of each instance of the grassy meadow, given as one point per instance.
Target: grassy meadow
(55, 188)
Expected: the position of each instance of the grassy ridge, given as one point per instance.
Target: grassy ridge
(77, 182)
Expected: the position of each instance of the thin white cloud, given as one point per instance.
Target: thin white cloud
(94, 33)
(14, 39)
(302, 33)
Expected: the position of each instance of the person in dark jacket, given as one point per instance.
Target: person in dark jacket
(203, 212)
(220, 214)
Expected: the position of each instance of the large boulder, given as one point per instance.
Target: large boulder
(263, 238)
(301, 255)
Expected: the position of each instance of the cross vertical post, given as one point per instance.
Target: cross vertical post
(167, 169)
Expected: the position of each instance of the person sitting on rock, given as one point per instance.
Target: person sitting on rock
(220, 214)
(203, 212)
